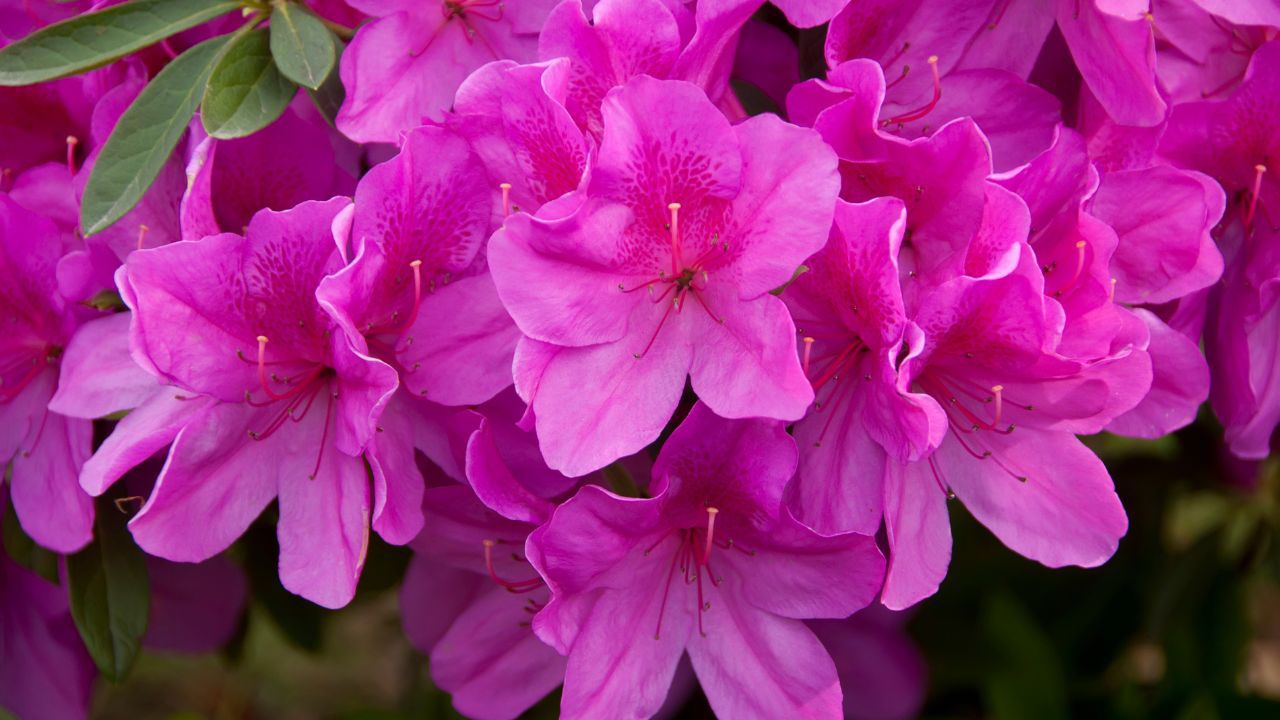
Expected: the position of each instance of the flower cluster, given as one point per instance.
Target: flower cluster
(638, 370)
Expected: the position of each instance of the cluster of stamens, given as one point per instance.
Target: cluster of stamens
(683, 280)
(692, 555)
(298, 398)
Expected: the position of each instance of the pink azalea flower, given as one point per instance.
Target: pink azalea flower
(1237, 142)
(406, 65)
(418, 290)
(664, 272)
(711, 565)
(292, 398)
(46, 449)
(851, 315)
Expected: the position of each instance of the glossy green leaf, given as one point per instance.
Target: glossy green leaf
(110, 596)
(246, 91)
(88, 41)
(145, 136)
(302, 46)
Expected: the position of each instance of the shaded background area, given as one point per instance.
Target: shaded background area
(1184, 622)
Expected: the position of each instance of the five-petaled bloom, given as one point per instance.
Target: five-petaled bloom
(665, 271)
(714, 565)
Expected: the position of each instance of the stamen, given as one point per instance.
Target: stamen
(1258, 171)
(1080, 255)
(1111, 296)
(928, 107)
(72, 142)
(808, 350)
(262, 369)
(674, 303)
(142, 234)
(506, 199)
(515, 587)
(416, 266)
(711, 532)
(675, 237)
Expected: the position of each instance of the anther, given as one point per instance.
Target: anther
(808, 350)
(1258, 171)
(929, 106)
(506, 199)
(711, 531)
(675, 237)
(72, 142)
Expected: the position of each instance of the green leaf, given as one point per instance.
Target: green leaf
(246, 91)
(145, 136)
(88, 41)
(109, 592)
(301, 45)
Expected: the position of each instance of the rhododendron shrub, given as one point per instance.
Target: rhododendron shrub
(661, 354)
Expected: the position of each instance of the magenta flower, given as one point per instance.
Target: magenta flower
(294, 159)
(406, 65)
(293, 398)
(1237, 141)
(46, 449)
(711, 565)
(418, 291)
(1010, 454)
(852, 319)
(664, 272)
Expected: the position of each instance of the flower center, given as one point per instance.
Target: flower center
(295, 400)
(972, 411)
(683, 280)
(692, 555)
